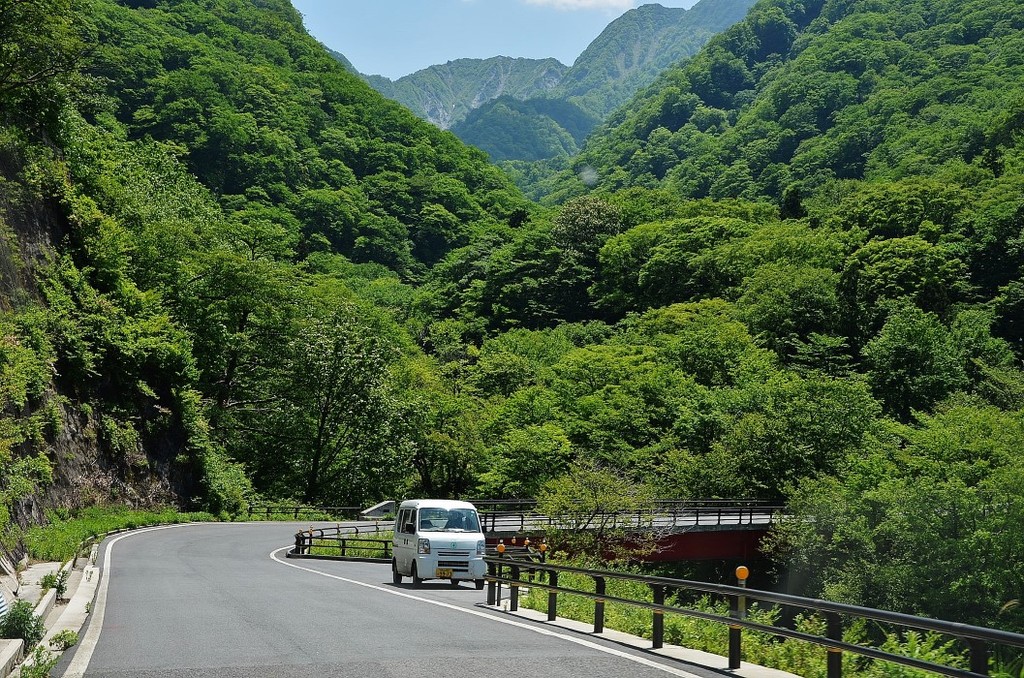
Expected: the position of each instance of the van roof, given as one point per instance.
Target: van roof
(436, 503)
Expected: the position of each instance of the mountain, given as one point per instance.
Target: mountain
(628, 54)
(632, 50)
(445, 93)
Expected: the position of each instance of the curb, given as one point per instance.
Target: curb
(72, 618)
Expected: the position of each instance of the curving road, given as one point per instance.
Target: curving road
(221, 600)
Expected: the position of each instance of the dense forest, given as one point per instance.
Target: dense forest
(789, 270)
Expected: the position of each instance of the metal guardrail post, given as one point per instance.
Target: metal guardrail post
(658, 632)
(553, 595)
(834, 631)
(599, 589)
(735, 637)
(979, 656)
(513, 593)
(492, 572)
(737, 610)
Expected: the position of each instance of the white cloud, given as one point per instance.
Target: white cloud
(585, 4)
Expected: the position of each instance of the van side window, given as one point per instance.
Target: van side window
(408, 526)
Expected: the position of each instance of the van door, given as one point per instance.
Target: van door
(405, 540)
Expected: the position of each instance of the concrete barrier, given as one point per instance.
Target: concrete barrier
(11, 651)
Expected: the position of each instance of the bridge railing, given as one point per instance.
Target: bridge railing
(517, 574)
(302, 511)
(344, 543)
(521, 515)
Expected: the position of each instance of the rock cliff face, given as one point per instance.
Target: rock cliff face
(59, 424)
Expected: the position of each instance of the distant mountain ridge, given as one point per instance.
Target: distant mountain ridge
(632, 50)
(445, 93)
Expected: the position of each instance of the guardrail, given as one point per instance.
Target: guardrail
(977, 640)
(304, 510)
(343, 543)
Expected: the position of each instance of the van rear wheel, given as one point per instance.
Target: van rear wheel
(479, 584)
(396, 578)
(416, 579)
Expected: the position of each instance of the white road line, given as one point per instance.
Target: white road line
(476, 613)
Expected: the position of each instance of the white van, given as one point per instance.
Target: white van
(438, 539)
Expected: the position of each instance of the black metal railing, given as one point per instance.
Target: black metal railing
(522, 516)
(978, 641)
(303, 511)
(344, 543)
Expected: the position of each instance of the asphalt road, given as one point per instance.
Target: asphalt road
(222, 600)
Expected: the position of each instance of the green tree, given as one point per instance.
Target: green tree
(914, 362)
(323, 421)
(586, 504)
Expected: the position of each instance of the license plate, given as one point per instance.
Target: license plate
(443, 573)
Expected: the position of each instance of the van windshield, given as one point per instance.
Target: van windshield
(448, 520)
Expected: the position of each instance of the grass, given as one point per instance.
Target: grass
(60, 540)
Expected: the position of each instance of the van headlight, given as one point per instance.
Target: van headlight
(481, 547)
(423, 546)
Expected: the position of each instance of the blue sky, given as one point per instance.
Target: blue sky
(397, 37)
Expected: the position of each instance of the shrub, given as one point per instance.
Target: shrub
(63, 640)
(58, 581)
(42, 662)
(21, 621)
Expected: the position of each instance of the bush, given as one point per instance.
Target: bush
(21, 621)
(58, 581)
(63, 640)
(42, 662)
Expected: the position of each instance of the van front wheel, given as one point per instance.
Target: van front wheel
(395, 577)
(479, 584)
(416, 579)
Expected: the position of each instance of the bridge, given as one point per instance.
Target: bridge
(682, 530)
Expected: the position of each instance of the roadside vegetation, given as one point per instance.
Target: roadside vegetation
(66, 531)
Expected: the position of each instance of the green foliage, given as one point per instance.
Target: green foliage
(288, 137)
(58, 581)
(42, 662)
(798, 95)
(63, 536)
(21, 621)
(64, 640)
(945, 486)
(535, 129)
(585, 503)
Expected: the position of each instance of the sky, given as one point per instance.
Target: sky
(398, 37)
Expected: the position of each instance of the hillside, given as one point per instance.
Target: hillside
(187, 187)
(636, 47)
(510, 129)
(801, 95)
